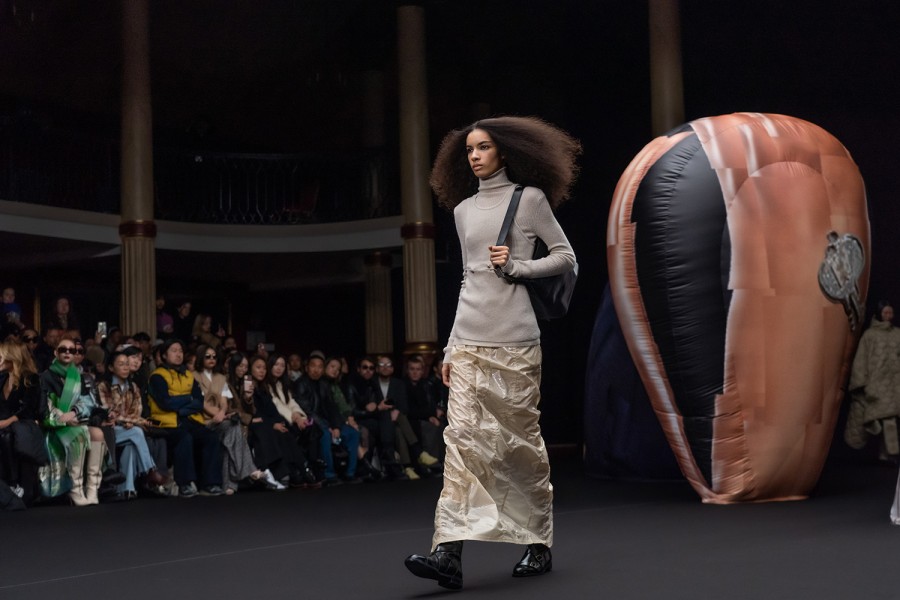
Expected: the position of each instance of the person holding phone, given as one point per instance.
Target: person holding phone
(222, 416)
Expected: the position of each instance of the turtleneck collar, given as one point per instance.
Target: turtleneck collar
(876, 324)
(496, 181)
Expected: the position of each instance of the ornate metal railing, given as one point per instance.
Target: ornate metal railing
(55, 168)
(270, 189)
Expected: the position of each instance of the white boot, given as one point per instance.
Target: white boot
(76, 472)
(94, 471)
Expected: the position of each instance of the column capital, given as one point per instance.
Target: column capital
(138, 228)
(417, 230)
(379, 258)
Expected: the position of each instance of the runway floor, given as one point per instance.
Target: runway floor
(618, 540)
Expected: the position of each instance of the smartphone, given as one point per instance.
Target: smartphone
(101, 328)
(248, 384)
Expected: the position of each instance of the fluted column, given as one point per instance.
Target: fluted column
(418, 232)
(137, 229)
(379, 314)
(666, 81)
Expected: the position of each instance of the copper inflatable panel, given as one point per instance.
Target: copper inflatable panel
(786, 184)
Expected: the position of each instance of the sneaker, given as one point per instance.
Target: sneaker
(187, 491)
(212, 490)
(270, 482)
(411, 474)
(18, 490)
(427, 460)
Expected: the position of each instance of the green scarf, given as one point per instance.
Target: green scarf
(67, 436)
(71, 388)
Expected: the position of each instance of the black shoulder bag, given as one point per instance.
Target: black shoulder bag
(550, 296)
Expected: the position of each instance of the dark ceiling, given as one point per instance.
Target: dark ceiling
(286, 76)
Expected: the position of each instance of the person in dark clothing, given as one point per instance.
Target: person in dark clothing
(20, 397)
(424, 414)
(176, 404)
(312, 394)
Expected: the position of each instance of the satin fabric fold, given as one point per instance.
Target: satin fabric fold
(496, 471)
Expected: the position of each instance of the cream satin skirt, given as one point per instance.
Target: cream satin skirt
(496, 473)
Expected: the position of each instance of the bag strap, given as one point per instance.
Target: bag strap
(504, 229)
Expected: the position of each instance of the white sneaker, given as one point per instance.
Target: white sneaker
(411, 473)
(271, 482)
(18, 490)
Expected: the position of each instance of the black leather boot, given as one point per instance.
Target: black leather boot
(537, 560)
(444, 565)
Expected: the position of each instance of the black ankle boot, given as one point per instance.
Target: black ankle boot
(444, 565)
(537, 560)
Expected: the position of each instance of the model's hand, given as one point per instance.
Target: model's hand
(499, 255)
(445, 373)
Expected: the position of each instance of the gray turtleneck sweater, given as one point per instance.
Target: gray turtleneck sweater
(492, 312)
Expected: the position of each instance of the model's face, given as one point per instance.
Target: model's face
(258, 370)
(175, 355)
(333, 369)
(887, 313)
(121, 367)
(241, 369)
(484, 158)
(278, 368)
(65, 352)
(314, 368)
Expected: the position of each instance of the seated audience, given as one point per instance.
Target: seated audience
(176, 406)
(225, 420)
(71, 443)
(120, 396)
(20, 395)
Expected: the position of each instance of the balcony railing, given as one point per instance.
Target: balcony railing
(74, 171)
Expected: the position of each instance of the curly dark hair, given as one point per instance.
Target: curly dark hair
(534, 152)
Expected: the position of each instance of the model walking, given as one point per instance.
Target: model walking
(496, 474)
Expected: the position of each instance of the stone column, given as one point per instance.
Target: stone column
(137, 229)
(666, 82)
(379, 313)
(415, 159)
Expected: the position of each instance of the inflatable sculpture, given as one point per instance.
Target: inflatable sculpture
(738, 251)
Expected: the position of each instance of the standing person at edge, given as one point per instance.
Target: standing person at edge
(496, 473)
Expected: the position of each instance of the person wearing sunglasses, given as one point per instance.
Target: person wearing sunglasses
(223, 417)
(76, 450)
